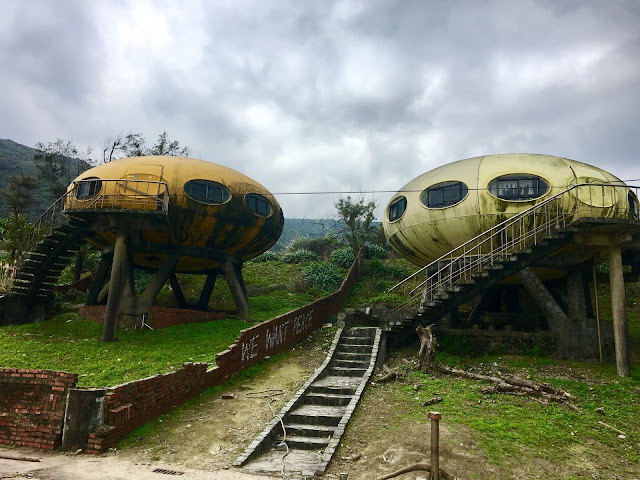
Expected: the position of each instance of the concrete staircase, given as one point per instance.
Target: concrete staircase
(41, 267)
(302, 438)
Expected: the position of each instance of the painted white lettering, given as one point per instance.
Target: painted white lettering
(249, 348)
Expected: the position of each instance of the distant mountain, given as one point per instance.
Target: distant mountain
(14, 159)
(305, 227)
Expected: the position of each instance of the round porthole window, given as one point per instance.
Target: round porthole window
(258, 204)
(518, 187)
(206, 191)
(445, 194)
(397, 208)
(88, 188)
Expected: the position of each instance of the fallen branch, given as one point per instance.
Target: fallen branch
(612, 428)
(425, 467)
(431, 401)
(19, 457)
(388, 376)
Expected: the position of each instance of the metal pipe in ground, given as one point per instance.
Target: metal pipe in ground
(435, 445)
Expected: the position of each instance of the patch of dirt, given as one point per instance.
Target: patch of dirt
(211, 432)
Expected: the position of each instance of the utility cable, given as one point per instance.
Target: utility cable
(272, 395)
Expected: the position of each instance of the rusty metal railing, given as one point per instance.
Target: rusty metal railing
(117, 195)
(514, 234)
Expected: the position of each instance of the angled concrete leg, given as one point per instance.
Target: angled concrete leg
(98, 279)
(207, 290)
(233, 276)
(161, 276)
(111, 312)
(616, 283)
(177, 291)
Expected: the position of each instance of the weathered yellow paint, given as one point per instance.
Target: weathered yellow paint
(423, 234)
(230, 228)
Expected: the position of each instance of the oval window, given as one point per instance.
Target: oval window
(88, 188)
(518, 187)
(206, 191)
(444, 194)
(633, 205)
(397, 208)
(258, 204)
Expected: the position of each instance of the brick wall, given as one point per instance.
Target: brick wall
(131, 405)
(161, 317)
(32, 404)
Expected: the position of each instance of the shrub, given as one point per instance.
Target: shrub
(376, 251)
(299, 256)
(343, 257)
(266, 257)
(323, 246)
(325, 277)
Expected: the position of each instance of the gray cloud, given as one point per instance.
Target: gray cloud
(340, 96)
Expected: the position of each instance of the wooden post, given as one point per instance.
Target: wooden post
(616, 282)
(113, 300)
(435, 445)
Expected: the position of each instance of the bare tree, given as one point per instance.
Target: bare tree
(58, 163)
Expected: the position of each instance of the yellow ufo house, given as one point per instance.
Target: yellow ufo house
(449, 205)
(489, 231)
(170, 215)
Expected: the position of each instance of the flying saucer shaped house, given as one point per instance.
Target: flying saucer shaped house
(491, 224)
(170, 215)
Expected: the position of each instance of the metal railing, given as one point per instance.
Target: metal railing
(118, 195)
(514, 234)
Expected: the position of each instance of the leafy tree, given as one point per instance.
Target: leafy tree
(58, 163)
(18, 194)
(13, 231)
(134, 145)
(357, 217)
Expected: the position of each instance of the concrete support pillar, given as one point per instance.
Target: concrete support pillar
(177, 291)
(577, 308)
(616, 282)
(98, 279)
(207, 290)
(111, 312)
(233, 276)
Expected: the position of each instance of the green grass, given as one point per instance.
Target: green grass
(513, 427)
(69, 343)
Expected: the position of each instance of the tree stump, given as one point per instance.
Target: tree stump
(428, 345)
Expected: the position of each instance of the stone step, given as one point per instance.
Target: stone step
(327, 399)
(305, 443)
(482, 274)
(332, 390)
(350, 363)
(307, 430)
(355, 341)
(347, 372)
(354, 348)
(335, 381)
(316, 415)
(352, 356)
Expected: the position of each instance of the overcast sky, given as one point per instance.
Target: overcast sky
(312, 96)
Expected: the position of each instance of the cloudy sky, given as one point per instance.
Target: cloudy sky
(315, 96)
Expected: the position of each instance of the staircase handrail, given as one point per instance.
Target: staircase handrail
(488, 236)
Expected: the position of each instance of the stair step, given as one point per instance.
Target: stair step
(350, 363)
(327, 399)
(354, 348)
(316, 415)
(347, 372)
(482, 274)
(307, 430)
(352, 356)
(495, 266)
(355, 341)
(305, 443)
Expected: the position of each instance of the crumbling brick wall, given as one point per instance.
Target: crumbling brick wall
(32, 404)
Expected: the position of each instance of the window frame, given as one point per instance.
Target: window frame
(226, 194)
(425, 195)
(391, 206)
(634, 205)
(91, 183)
(256, 211)
(494, 186)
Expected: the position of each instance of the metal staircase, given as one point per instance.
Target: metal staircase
(62, 229)
(495, 255)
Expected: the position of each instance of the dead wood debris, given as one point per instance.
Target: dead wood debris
(431, 401)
